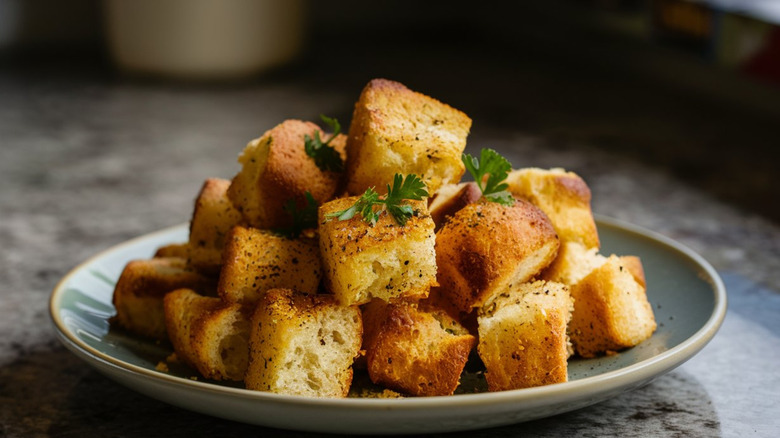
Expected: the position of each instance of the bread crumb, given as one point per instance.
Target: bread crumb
(162, 367)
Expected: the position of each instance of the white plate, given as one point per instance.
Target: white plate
(687, 295)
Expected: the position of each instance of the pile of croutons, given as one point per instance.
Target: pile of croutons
(330, 252)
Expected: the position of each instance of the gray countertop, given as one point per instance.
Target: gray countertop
(88, 160)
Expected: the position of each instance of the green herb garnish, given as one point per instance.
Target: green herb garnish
(302, 219)
(496, 167)
(409, 187)
(325, 156)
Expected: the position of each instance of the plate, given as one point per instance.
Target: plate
(686, 293)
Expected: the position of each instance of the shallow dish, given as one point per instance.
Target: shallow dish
(686, 293)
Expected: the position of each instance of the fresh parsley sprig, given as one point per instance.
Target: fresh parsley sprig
(302, 219)
(325, 156)
(410, 187)
(496, 167)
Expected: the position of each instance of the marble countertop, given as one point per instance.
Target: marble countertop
(88, 160)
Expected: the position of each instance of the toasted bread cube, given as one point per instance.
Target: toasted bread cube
(220, 342)
(485, 247)
(450, 198)
(180, 250)
(634, 266)
(303, 344)
(183, 307)
(276, 169)
(397, 130)
(386, 260)
(414, 351)
(611, 310)
(212, 219)
(258, 260)
(138, 295)
(522, 336)
(573, 263)
(563, 196)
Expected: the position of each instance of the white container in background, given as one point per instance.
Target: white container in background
(203, 39)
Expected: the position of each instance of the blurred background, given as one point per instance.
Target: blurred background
(692, 87)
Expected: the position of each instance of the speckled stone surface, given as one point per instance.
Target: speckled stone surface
(88, 160)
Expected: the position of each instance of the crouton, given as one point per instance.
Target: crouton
(563, 196)
(397, 130)
(138, 294)
(386, 260)
(450, 198)
(573, 263)
(180, 250)
(303, 344)
(522, 336)
(276, 169)
(220, 342)
(485, 247)
(255, 261)
(212, 219)
(611, 310)
(183, 307)
(413, 351)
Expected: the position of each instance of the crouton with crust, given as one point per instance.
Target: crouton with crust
(397, 130)
(212, 219)
(276, 169)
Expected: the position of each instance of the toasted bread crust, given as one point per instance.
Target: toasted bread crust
(563, 196)
(486, 246)
(411, 351)
(212, 219)
(255, 261)
(183, 307)
(397, 130)
(276, 169)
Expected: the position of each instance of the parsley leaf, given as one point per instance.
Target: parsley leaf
(409, 187)
(496, 168)
(302, 219)
(325, 156)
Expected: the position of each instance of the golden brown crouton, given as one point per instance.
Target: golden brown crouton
(303, 344)
(397, 130)
(183, 307)
(611, 311)
(522, 336)
(212, 219)
(413, 351)
(138, 295)
(451, 198)
(276, 169)
(563, 196)
(180, 250)
(485, 247)
(386, 260)
(255, 261)
(220, 342)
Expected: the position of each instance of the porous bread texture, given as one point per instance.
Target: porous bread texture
(255, 261)
(522, 336)
(303, 344)
(611, 310)
(386, 260)
(180, 250)
(486, 247)
(220, 342)
(138, 294)
(450, 198)
(573, 263)
(397, 130)
(276, 169)
(563, 196)
(414, 351)
(182, 308)
(212, 219)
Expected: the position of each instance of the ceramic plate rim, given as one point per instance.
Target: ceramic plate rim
(634, 373)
